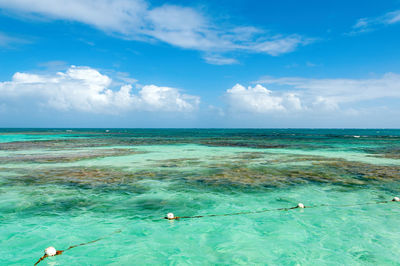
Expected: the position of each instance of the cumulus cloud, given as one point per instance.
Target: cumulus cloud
(87, 90)
(331, 93)
(153, 97)
(259, 99)
(179, 26)
(295, 95)
(370, 24)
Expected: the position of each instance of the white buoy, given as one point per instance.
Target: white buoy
(396, 199)
(170, 216)
(50, 251)
(300, 205)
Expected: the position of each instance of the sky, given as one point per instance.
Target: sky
(200, 64)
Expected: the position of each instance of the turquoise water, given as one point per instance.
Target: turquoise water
(65, 187)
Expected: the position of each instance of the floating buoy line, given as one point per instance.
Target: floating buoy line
(52, 251)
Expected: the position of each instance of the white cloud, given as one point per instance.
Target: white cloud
(121, 16)
(369, 24)
(258, 99)
(178, 26)
(331, 93)
(327, 103)
(281, 45)
(393, 17)
(306, 95)
(220, 60)
(293, 101)
(167, 99)
(85, 89)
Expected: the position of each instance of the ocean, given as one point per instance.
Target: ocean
(63, 187)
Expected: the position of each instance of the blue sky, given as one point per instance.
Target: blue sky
(137, 63)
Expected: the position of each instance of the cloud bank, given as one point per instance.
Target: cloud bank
(85, 89)
(340, 91)
(290, 100)
(296, 95)
(178, 26)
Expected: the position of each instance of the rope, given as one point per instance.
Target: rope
(230, 214)
(90, 242)
(278, 209)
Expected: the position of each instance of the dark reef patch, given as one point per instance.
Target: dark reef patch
(68, 156)
(239, 172)
(174, 163)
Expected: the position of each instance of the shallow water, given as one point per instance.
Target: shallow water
(61, 188)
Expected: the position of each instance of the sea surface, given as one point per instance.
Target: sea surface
(63, 187)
